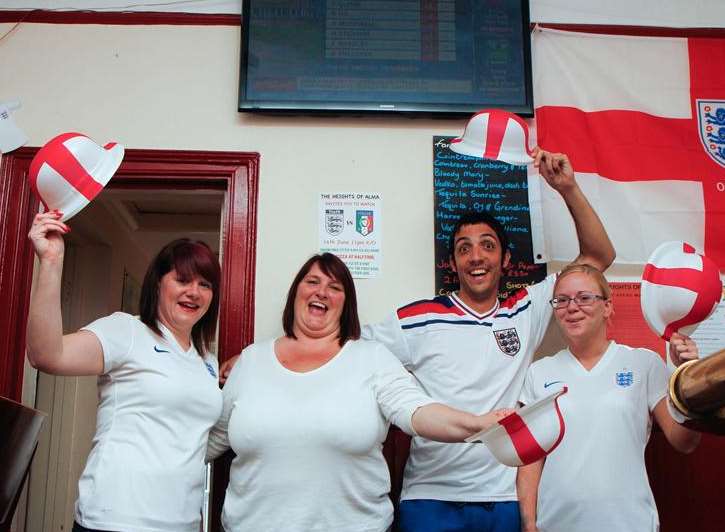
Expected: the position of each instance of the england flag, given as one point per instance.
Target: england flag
(643, 122)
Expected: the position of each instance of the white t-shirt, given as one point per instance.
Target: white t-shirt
(596, 479)
(309, 445)
(473, 362)
(157, 404)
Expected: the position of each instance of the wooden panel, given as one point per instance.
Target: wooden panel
(125, 18)
(396, 449)
(170, 18)
(17, 208)
(687, 488)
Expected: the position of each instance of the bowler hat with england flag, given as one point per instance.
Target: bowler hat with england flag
(71, 170)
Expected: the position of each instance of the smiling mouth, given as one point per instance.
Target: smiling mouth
(318, 307)
(478, 272)
(190, 307)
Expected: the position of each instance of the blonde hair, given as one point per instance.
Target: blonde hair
(589, 270)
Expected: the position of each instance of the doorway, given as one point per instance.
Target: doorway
(111, 243)
(168, 181)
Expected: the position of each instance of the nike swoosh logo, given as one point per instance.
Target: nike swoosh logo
(156, 348)
(547, 384)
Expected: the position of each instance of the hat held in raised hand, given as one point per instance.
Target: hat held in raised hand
(71, 170)
(527, 435)
(495, 134)
(680, 288)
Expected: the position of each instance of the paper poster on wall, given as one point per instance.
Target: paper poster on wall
(462, 183)
(627, 325)
(710, 334)
(351, 228)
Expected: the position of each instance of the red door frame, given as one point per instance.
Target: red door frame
(235, 172)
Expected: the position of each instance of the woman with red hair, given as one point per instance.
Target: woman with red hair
(157, 384)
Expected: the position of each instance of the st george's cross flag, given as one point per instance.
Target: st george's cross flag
(643, 122)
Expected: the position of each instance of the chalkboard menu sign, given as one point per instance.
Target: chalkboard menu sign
(462, 183)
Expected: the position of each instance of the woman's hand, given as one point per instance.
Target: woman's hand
(682, 349)
(46, 234)
(490, 419)
(226, 368)
(438, 422)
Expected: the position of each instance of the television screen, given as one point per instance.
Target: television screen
(428, 56)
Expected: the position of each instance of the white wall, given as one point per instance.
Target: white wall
(176, 88)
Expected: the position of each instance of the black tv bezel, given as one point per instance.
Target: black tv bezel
(441, 110)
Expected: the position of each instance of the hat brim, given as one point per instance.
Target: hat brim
(103, 173)
(110, 163)
(69, 211)
(499, 431)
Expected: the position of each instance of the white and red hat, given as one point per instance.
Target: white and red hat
(71, 170)
(495, 134)
(680, 288)
(528, 434)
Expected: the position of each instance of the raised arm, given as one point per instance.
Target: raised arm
(48, 350)
(442, 423)
(595, 248)
(527, 489)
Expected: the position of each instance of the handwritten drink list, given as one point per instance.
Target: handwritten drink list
(462, 183)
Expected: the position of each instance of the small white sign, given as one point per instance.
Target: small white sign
(710, 334)
(351, 228)
(11, 136)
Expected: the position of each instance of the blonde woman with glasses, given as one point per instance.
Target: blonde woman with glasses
(596, 479)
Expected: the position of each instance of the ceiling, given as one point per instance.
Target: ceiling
(152, 218)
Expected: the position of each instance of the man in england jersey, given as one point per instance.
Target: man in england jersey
(471, 351)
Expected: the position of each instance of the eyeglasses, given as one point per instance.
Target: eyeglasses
(582, 299)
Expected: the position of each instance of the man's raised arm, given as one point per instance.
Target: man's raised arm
(595, 248)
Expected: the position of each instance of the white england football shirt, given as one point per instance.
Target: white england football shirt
(473, 362)
(157, 404)
(596, 479)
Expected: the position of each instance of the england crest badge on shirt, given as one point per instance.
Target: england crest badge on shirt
(508, 341)
(711, 119)
(624, 378)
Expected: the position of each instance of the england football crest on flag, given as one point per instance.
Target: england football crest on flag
(364, 222)
(625, 378)
(334, 221)
(508, 341)
(711, 119)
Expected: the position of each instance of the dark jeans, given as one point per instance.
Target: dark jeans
(426, 515)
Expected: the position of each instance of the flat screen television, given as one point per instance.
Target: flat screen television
(436, 57)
